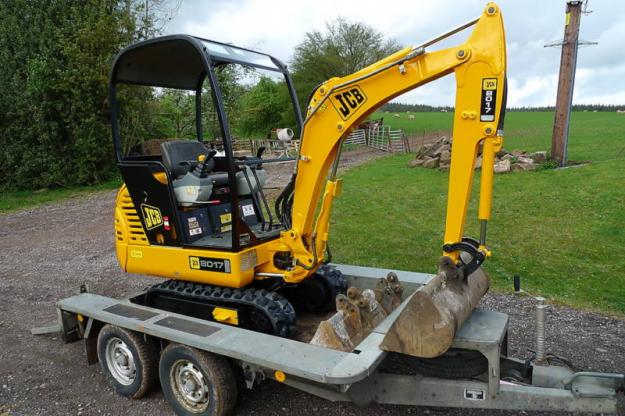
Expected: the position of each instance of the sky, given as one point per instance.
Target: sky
(277, 26)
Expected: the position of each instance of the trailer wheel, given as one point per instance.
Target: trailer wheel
(454, 364)
(127, 360)
(196, 382)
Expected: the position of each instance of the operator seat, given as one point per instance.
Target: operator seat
(180, 156)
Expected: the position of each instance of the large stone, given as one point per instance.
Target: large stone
(525, 160)
(415, 162)
(478, 163)
(430, 163)
(421, 151)
(539, 157)
(502, 153)
(507, 156)
(517, 153)
(438, 150)
(502, 166)
(445, 156)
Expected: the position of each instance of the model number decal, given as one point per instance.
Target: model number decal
(347, 101)
(209, 264)
(152, 216)
(489, 99)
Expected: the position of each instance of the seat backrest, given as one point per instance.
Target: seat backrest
(180, 155)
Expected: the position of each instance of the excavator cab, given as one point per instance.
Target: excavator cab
(196, 190)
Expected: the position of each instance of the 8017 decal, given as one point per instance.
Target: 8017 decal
(489, 99)
(209, 264)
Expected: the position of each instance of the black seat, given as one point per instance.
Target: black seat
(180, 156)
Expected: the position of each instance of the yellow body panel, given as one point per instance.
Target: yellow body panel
(479, 66)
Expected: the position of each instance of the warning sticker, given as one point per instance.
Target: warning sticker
(248, 210)
(489, 99)
(194, 226)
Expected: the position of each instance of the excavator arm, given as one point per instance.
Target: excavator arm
(339, 104)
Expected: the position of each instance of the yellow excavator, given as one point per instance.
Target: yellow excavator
(195, 212)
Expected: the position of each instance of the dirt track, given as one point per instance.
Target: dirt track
(48, 251)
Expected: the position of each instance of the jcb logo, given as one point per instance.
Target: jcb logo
(489, 84)
(347, 101)
(152, 216)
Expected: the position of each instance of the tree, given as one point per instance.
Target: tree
(344, 48)
(55, 58)
(265, 106)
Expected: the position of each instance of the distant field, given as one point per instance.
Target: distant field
(595, 136)
(562, 231)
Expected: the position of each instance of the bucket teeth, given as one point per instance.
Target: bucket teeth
(358, 313)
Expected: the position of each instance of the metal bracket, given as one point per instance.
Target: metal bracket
(252, 375)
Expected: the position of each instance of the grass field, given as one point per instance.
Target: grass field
(561, 230)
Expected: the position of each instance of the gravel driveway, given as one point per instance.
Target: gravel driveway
(48, 251)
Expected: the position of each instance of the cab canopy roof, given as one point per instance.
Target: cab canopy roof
(182, 61)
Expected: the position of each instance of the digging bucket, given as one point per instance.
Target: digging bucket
(428, 321)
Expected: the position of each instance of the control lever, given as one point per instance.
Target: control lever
(205, 166)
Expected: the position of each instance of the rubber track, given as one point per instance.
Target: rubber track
(334, 279)
(274, 306)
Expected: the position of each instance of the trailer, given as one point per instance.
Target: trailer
(201, 363)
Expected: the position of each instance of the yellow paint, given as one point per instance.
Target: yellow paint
(226, 316)
(136, 254)
(478, 64)
(483, 57)
(194, 263)
(161, 177)
(80, 317)
(567, 19)
(279, 376)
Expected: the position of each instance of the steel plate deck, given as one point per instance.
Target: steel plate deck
(300, 359)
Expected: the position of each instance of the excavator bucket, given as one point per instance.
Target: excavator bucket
(426, 322)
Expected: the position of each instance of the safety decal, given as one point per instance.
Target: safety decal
(489, 99)
(209, 264)
(151, 216)
(348, 100)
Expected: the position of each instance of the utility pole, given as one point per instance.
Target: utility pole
(566, 81)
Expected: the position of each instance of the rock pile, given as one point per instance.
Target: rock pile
(438, 155)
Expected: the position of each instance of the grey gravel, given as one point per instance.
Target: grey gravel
(47, 252)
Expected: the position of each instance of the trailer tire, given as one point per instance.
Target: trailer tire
(454, 364)
(128, 361)
(196, 382)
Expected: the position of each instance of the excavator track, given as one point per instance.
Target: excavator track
(257, 309)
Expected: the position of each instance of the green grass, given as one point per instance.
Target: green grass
(11, 201)
(561, 230)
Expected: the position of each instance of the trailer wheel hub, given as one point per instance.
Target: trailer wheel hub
(120, 361)
(190, 385)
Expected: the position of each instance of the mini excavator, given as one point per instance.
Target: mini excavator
(201, 219)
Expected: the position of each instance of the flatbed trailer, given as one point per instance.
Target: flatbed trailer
(362, 376)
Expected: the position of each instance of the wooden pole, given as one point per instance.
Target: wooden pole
(564, 99)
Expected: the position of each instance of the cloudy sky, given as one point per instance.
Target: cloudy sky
(276, 26)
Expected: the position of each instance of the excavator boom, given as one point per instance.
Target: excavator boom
(426, 323)
(479, 66)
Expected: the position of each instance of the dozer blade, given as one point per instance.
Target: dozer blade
(428, 321)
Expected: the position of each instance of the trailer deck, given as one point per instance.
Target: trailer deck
(356, 375)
